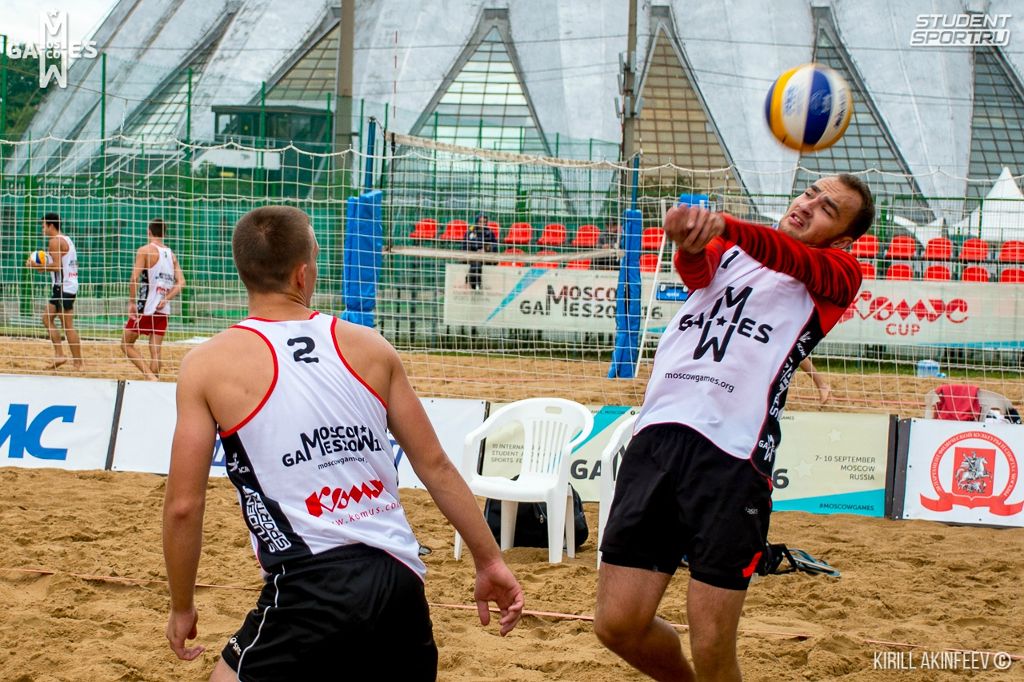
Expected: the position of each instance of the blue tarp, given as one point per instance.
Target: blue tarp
(627, 302)
(364, 244)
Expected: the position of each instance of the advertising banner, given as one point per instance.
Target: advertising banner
(965, 472)
(56, 422)
(918, 312)
(885, 312)
(553, 299)
(832, 463)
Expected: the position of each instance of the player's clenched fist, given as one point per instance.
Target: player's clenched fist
(692, 227)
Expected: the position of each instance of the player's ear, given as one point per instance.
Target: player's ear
(300, 275)
(842, 243)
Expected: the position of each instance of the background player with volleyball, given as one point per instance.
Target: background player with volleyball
(61, 262)
(696, 478)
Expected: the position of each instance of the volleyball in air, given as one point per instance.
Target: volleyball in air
(808, 108)
(40, 257)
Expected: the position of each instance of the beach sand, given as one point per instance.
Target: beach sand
(97, 610)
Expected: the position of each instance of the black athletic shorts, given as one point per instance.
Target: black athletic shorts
(354, 612)
(62, 300)
(678, 495)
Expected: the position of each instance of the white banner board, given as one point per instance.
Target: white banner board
(148, 418)
(965, 472)
(884, 312)
(933, 313)
(546, 299)
(832, 463)
(55, 422)
(146, 428)
(452, 420)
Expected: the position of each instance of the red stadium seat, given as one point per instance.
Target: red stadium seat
(974, 273)
(586, 237)
(545, 264)
(1012, 276)
(652, 238)
(867, 270)
(649, 262)
(937, 273)
(899, 271)
(975, 250)
(455, 231)
(865, 247)
(553, 235)
(519, 233)
(424, 229)
(938, 248)
(1012, 251)
(901, 247)
(512, 263)
(496, 229)
(578, 264)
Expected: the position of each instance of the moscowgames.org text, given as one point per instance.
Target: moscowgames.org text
(686, 376)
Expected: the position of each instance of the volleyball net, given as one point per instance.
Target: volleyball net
(499, 275)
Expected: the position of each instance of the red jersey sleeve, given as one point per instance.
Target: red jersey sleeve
(832, 275)
(698, 269)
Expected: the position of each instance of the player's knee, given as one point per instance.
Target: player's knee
(616, 633)
(711, 652)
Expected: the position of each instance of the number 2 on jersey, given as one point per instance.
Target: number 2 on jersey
(303, 354)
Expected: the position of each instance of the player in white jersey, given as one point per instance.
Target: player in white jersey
(303, 403)
(696, 478)
(155, 280)
(63, 269)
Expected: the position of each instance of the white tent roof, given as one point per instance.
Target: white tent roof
(1000, 215)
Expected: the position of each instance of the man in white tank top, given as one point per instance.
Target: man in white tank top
(155, 280)
(63, 269)
(302, 403)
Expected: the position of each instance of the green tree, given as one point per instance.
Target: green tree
(23, 93)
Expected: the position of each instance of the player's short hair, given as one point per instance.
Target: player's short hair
(862, 220)
(53, 219)
(268, 244)
(156, 227)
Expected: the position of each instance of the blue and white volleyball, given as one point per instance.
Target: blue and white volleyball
(808, 108)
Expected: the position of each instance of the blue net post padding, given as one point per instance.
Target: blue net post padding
(364, 244)
(627, 301)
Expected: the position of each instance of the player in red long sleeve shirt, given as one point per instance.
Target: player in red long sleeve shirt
(695, 480)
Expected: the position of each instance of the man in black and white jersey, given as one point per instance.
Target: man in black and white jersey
(303, 403)
(696, 478)
(62, 264)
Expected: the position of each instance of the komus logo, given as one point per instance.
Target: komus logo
(53, 46)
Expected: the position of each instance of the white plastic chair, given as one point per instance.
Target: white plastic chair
(552, 428)
(615, 448)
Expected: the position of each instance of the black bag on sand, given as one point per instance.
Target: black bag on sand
(532, 522)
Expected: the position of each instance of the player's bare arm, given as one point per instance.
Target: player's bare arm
(185, 501)
(376, 360)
